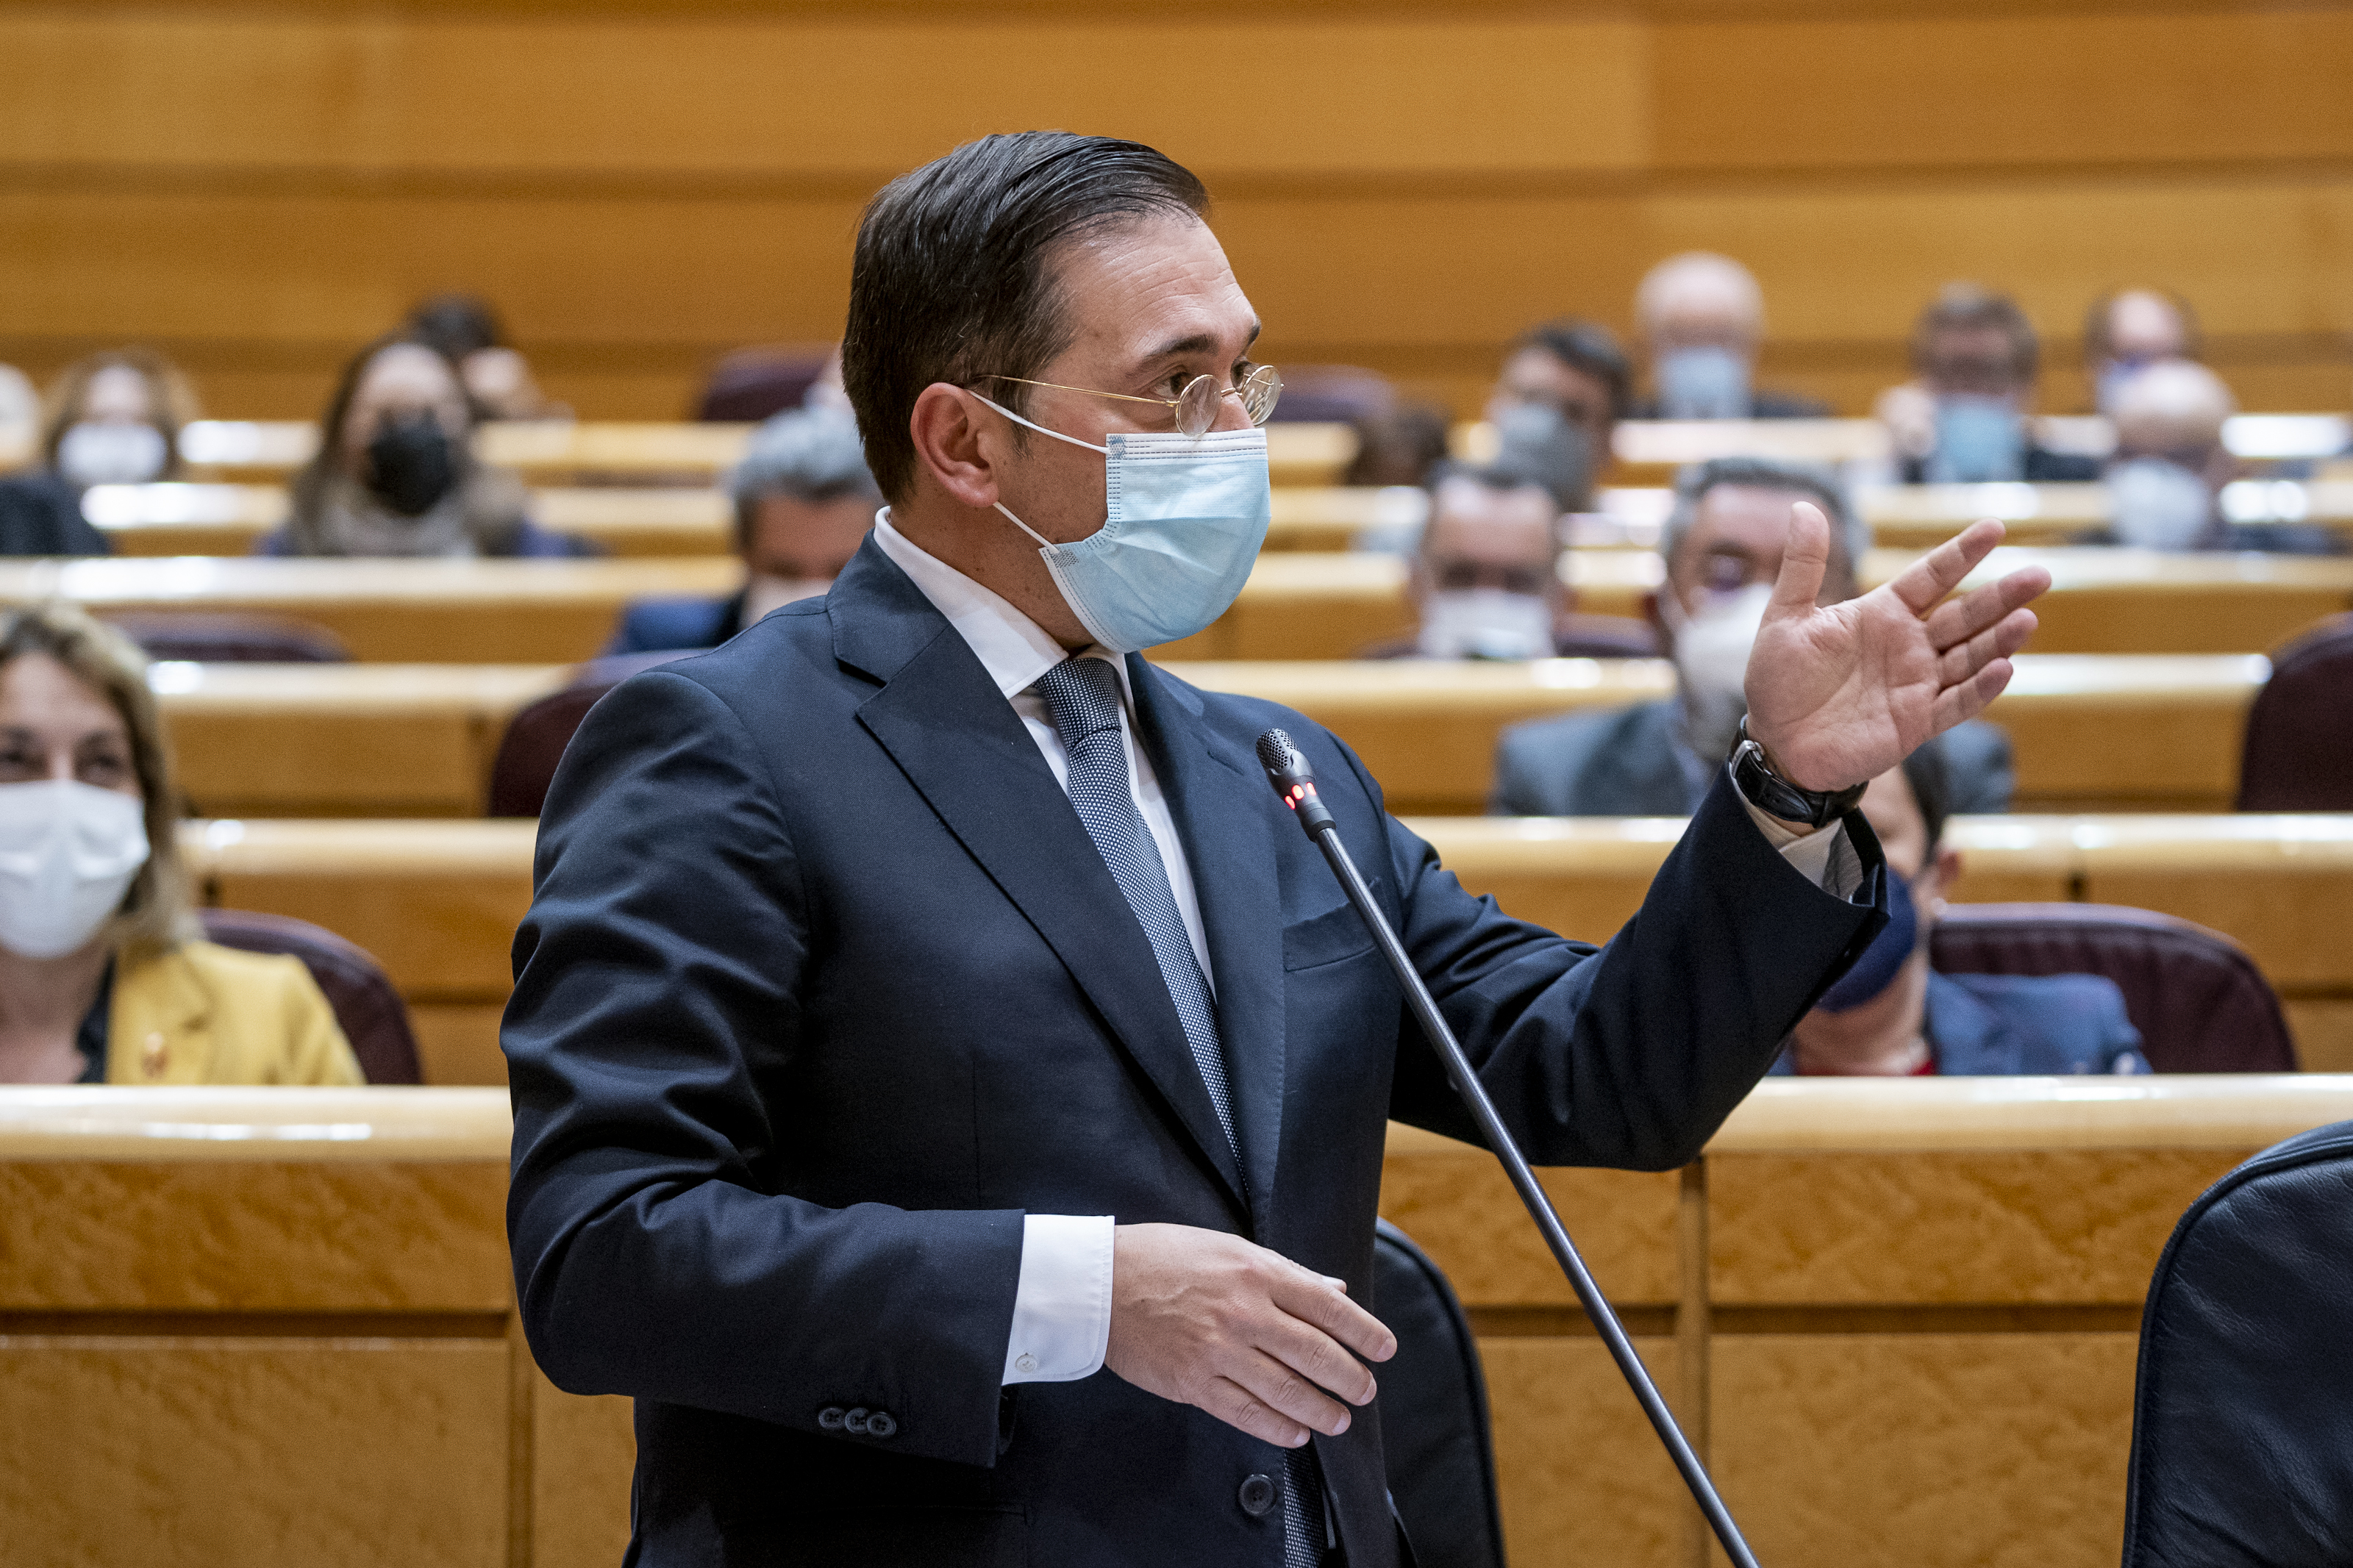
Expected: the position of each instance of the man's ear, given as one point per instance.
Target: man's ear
(952, 445)
(1944, 870)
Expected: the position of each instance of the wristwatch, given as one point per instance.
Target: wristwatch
(1769, 792)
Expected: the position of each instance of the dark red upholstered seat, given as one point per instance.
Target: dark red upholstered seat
(1331, 394)
(373, 1018)
(2299, 748)
(208, 637)
(750, 384)
(2199, 1000)
(536, 736)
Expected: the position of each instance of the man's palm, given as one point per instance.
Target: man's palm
(1838, 694)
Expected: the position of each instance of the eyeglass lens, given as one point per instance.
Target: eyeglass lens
(1196, 406)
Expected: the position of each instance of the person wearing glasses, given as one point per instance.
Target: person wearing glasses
(949, 1089)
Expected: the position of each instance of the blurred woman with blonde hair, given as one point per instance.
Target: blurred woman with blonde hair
(104, 974)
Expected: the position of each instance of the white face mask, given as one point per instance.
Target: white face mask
(765, 593)
(110, 453)
(67, 852)
(1485, 623)
(2158, 505)
(1712, 650)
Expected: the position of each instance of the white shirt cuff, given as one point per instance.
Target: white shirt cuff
(1061, 1304)
(1826, 857)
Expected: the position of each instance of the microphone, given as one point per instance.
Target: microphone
(1288, 770)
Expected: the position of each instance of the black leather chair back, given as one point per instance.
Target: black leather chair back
(373, 1016)
(1433, 1407)
(2199, 1000)
(2242, 1413)
(2299, 748)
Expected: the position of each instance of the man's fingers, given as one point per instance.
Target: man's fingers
(1973, 612)
(1803, 563)
(1968, 700)
(1339, 1317)
(2001, 639)
(1289, 1392)
(1237, 1407)
(1939, 571)
(1318, 1357)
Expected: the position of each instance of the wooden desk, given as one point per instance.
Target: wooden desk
(2092, 733)
(286, 1319)
(683, 453)
(227, 520)
(486, 612)
(437, 902)
(342, 739)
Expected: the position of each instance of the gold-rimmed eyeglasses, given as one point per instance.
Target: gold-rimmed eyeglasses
(1197, 404)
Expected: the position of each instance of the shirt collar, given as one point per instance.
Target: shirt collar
(1013, 649)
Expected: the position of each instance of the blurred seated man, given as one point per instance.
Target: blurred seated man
(1486, 580)
(1702, 317)
(497, 378)
(103, 977)
(2165, 481)
(2129, 330)
(1964, 420)
(1724, 543)
(1892, 1015)
(395, 472)
(1398, 445)
(1576, 369)
(804, 502)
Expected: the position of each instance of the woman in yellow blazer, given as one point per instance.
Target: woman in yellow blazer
(104, 977)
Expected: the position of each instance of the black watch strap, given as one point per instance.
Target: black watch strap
(1769, 792)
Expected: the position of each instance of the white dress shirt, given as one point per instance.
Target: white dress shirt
(1062, 1303)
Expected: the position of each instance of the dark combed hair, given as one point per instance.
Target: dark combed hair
(1586, 346)
(456, 324)
(953, 278)
(1932, 788)
(1963, 305)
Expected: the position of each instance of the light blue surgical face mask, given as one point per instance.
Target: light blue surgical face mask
(1980, 440)
(1702, 382)
(1187, 517)
(2159, 505)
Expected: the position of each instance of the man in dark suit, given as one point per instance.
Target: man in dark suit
(949, 1090)
(803, 501)
(1964, 419)
(1725, 543)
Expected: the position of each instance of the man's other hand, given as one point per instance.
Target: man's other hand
(1838, 694)
(1208, 1318)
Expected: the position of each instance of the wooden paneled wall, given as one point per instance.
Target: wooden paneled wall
(258, 187)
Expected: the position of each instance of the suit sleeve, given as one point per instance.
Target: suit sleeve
(1631, 1056)
(1518, 789)
(656, 1008)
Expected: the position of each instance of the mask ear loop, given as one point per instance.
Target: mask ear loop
(1043, 543)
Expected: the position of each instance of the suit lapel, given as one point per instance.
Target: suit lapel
(962, 746)
(1225, 814)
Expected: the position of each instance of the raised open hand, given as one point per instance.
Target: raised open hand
(1838, 694)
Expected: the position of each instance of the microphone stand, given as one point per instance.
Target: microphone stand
(1287, 768)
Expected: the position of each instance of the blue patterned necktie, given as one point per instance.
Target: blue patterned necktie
(1082, 702)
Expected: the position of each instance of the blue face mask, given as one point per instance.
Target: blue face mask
(1188, 515)
(1884, 960)
(1978, 441)
(1705, 382)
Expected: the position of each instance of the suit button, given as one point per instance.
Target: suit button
(855, 1421)
(880, 1423)
(1257, 1496)
(829, 1418)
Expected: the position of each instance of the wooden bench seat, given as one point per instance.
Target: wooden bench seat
(437, 901)
(228, 520)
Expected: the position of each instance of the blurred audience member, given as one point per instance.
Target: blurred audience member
(1486, 580)
(804, 502)
(498, 380)
(1702, 318)
(1577, 370)
(2129, 330)
(1724, 543)
(103, 978)
(395, 472)
(20, 406)
(1965, 421)
(1892, 1015)
(1398, 447)
(115, 418)
(2165, 481)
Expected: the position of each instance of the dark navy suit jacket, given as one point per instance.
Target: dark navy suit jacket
(825, 986)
